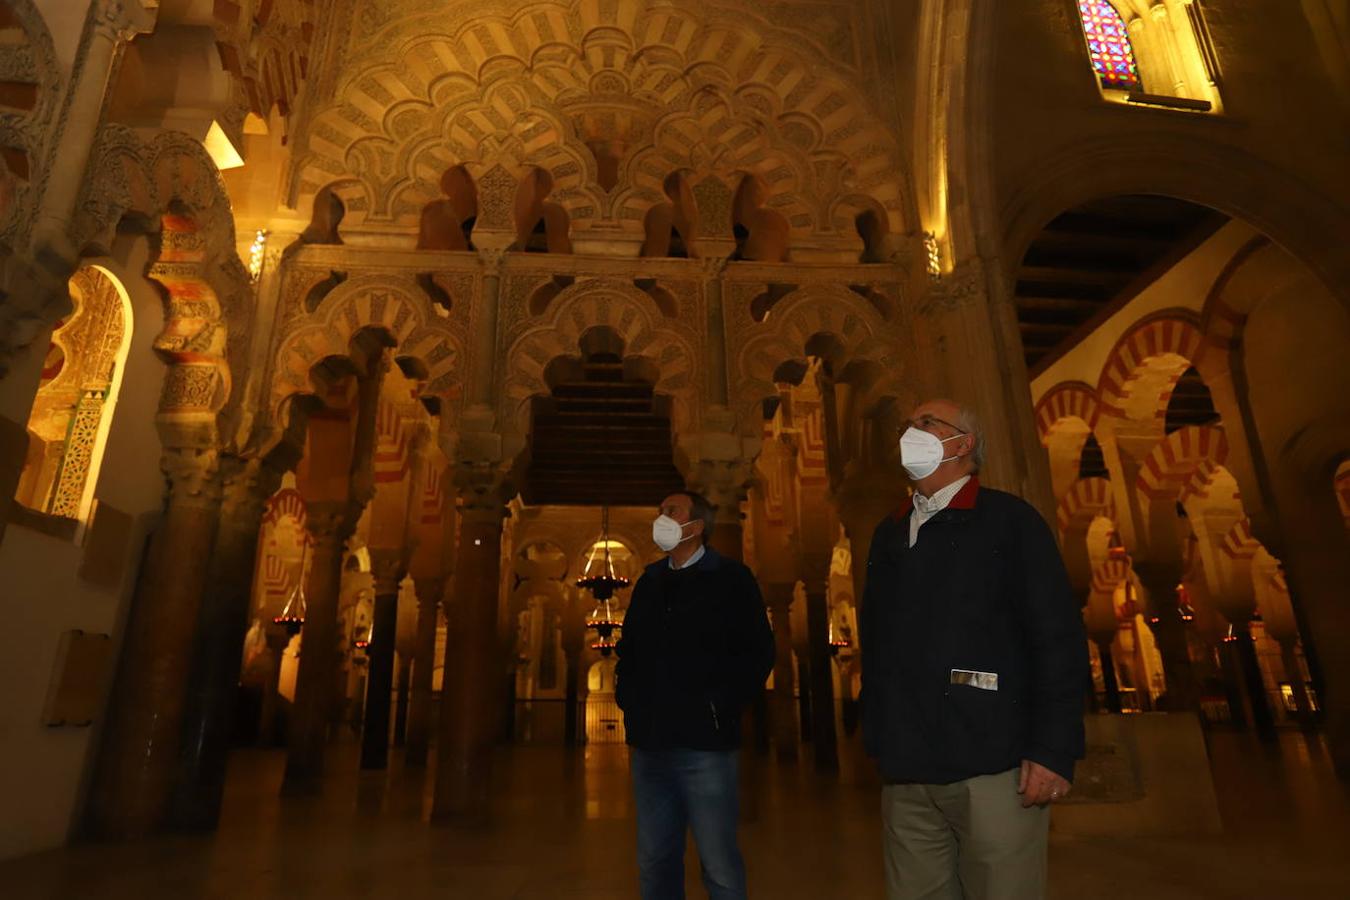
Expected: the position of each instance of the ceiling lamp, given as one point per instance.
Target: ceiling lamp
(602, 581)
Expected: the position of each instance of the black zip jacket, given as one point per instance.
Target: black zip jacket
(983, 590)
(696, 649)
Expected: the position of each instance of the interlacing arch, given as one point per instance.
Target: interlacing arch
(566, 84)
(394, 305)
(634, 318)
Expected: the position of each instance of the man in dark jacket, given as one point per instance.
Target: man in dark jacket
(974, 670)
(696, 649)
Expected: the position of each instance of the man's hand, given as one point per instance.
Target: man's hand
(1039, 786)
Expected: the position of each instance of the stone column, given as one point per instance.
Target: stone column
(430, 592)
(111, 22)
(783, 711)
(470, 701)
(717, 391)
(130, 792)
(388, 568)
(1109, 675)
(574, 646)
(330, 524)
(1294, 672)
(1254, 686)
(485, 350)
(822, 682)
(213, 686)
(1159, 582)
(277, 642)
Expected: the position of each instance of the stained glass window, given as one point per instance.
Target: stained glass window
(1109, 45)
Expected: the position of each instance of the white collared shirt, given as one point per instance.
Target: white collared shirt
(927, 507)
(693, 558)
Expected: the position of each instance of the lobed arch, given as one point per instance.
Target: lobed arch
(391, 305)
(712, 85)
(632, 315)
(854, 327)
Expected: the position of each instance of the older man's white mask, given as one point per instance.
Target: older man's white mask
(921, 452)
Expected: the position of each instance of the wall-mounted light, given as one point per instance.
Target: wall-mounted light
(257, 254)
(933, 254)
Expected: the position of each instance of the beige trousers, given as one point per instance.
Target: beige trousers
(971, 840)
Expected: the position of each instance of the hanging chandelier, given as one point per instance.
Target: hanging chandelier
(292, 617)
(837, 642)
(602, 581)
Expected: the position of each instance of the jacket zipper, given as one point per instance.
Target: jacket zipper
(712, 706)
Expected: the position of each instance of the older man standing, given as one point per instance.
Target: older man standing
(974, 670)
(696, 649)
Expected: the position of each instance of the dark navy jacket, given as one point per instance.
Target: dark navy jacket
(696, 649)
(983, 590)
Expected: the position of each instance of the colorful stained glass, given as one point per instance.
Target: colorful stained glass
(1109, 46)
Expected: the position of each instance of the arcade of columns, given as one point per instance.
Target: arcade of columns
(465, 205)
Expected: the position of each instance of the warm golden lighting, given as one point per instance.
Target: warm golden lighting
(256, 254)
(933, 252)
(221, 149)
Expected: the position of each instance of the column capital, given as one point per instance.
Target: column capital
(246, 483)
(430, 591)
(388, 568)
(193, 474)
(964, 286)
(331, 522)
(122, 20)
(492, 259)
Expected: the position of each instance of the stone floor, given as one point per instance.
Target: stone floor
(563, 831)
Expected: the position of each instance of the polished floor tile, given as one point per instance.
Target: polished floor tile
(562, 830)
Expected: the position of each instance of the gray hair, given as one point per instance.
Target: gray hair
(968, 422)
(702, 509)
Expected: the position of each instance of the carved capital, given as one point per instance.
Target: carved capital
(430, 591)
(193, 474)
(714, 267)
(246, 483)
(388, 568)
(964, 287)
(122, 20)
(331, 522)
(492, 259)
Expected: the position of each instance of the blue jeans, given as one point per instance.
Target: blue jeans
(679, 790)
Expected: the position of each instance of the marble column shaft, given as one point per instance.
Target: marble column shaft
(213, 685)
(389, 570)
(1294, 673)
(822, 681)
(783, 712)
(430, 593)
(139, 748)
(1109, 676)
(329, 523)
(1169, 632)
(470, 698)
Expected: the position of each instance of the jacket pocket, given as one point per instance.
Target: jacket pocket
(978, 727)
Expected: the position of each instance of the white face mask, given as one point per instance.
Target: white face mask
(667, 533)
(921, 452)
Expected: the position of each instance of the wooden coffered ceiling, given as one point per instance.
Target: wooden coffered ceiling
(1092, 259)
